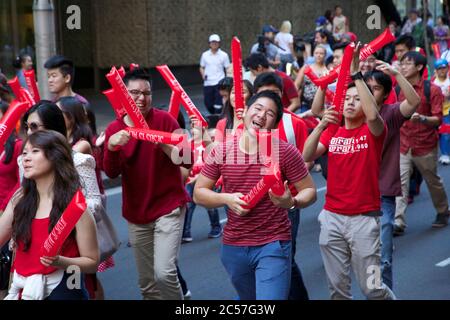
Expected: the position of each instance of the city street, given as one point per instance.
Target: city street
(417, 253)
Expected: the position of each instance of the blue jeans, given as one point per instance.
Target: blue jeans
(298, 290)
(259, 272)
(213, 214)
(387, 234)
(444, 139)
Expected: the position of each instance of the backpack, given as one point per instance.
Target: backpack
(426, 90)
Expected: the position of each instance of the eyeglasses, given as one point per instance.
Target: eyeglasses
(137, 93)
(33, 127)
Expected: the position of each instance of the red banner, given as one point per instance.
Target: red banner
(342, 84)
(9, 120)
(30, 79)
(191, 109)
(378, 43)
(239, 102)
(125, 98)
(64, 226)
(157, 136)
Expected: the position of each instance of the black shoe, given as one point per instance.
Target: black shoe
(441, 220)
(398, 231)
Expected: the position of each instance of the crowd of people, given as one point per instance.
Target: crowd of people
(388, 136)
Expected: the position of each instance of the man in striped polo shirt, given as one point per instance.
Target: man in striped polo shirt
(256, 248)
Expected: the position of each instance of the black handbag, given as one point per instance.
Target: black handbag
(5, 267)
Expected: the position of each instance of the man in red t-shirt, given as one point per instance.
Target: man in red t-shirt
(154, 197)
(350, 220)
(256, 248)
(292, 130)
(419, 142)
(258, 64)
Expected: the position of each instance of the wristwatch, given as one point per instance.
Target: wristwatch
(423, 119)
(357, 76)
(295, 204)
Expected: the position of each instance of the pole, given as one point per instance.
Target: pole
(45, 38)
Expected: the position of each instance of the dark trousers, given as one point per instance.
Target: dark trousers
(212, 98)
(298, 290)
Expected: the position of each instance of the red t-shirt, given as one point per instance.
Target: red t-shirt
(265, 223)
(289, 89)
(420, 137)
(28, 263)
(152, 184)
(9, 176)
(354, 158)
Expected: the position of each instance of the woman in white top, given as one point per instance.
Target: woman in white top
(285, 40)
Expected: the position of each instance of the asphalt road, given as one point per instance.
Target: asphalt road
(416, 255)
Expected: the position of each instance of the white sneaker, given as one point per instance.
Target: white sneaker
(188, 295)
(444, 159)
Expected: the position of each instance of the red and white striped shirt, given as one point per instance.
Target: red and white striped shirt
(241, 172)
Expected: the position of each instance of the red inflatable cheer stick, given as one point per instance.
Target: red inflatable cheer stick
(436, 50)
(378, 43)
(25, 96)
(157, 136)
(10, 119)
(174, 105)
(329, 95)
(265, 142)
(125, 98)
(191, 109)
(55, 240)
(14, 84)
(121, 71)
(30, 79)
(236, 53)
(134, 66)
(115, 103)
(259, 191)
(342, 84)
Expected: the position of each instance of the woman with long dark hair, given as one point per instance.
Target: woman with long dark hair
(49, 184)
(48, 116)
(79, 134)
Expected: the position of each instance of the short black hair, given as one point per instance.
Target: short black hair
(274, 97)
(64, 64)
(418, 59)
(255, 60)
(381, 78)
(137, 74)
(407, 40)
(50, 114)
(268, 79)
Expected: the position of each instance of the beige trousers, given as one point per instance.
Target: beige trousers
(156, 247)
